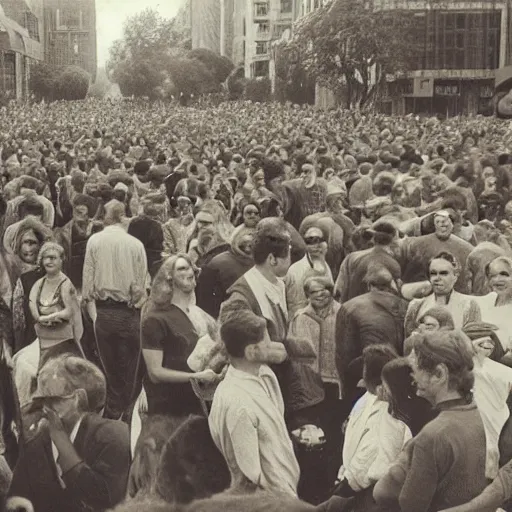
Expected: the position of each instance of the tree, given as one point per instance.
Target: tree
(101, 86)
(137, 60)
(58, 82)
(219, 66)
(72, 83)
(351, 45)
(236, 83)
(42, 80)
(258, 89)
(188, 76)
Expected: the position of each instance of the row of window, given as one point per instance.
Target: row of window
(261, 8)
(469, 40)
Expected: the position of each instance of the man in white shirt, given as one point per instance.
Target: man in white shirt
(114, 288)
(247, 416)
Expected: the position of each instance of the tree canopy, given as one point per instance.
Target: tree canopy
(58, 82)
(154, 59)
(350, 46)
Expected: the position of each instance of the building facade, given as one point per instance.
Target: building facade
(461, 45)
(70, 33)
(21, 44)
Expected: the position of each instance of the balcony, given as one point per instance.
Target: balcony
(263, 31)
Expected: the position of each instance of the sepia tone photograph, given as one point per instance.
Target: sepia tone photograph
(255, 255)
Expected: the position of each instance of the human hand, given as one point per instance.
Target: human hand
(143, 402)
(54, 423)
(206, 376)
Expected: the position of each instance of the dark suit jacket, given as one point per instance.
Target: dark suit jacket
(96, 484)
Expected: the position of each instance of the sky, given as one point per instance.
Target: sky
(111, 15)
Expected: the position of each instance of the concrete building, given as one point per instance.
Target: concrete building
(70, 33)
(21, 43)
(462, 44)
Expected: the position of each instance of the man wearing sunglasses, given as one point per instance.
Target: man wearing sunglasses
(72, 459)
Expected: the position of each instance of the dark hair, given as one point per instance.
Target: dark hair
(384, 233)
(240, 329)
(31, 206)
(503, 159)
(442, 315)
(447, 256)
(374, 359)
(398, 376)
(452, 349)
(271, 237)
(269, 207)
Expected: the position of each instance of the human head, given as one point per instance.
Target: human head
(84, 208)
(375, 358)
(240, 332)
(115, 212)
(442, 363)
(318, 290)
(484, 340)
(51, 258)
(251, 213)
(378, 277)
(31, 205)
(271, 245)
(443, 272)
(308, 175)
(499, 275)
(398, 387)
(443, 225)
(384, 233)
(71, 386)
(434, 319)
(316, 240)
(176, 273)
(29, 238)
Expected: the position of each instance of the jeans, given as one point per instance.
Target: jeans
(117, 330)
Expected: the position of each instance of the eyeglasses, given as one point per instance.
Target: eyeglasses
(313, 240)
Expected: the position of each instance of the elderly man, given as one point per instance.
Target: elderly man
(114, 286)
(74, 460)
(418, 251)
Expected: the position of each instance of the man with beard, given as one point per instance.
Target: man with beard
(418, 251)
(74, 235)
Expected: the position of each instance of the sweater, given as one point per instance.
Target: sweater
(442, 472)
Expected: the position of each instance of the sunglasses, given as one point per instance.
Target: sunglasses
(313, 240)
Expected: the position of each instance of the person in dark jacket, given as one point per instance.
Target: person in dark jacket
(373, 318)
(350, 282)
(75, 460)
(148, 230)
(222, 271)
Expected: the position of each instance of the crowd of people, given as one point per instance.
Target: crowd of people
(254, 306)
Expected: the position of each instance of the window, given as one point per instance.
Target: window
(260, 68)
(263, 29)
(316, 4)
(260, 9)
(69, 20)
(469, 40)
(308, 6)
(261, 47)
(32, 25)
(286, 6)
(9, 72)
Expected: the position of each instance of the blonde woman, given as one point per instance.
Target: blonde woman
(54, 306)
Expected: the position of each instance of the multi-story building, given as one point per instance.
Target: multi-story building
(70, 33)
(461, 45)
(21, 43)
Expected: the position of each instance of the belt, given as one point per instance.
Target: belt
(112, 303)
